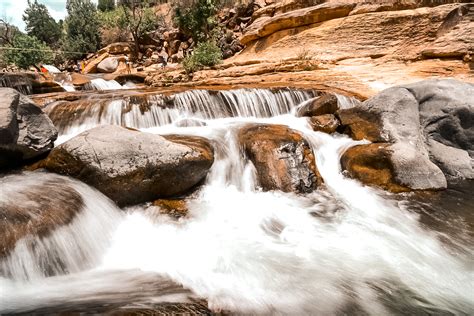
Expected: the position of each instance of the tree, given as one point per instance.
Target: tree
(197, 19)
(139, 19)
(40, 24)
(82, 28)
(7, 32)
(113, 27)
(106, 5)
(206, 54)
(27, 51)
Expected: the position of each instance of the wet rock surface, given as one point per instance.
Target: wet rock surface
(327, 123)
(282, 157)
(35, 206)
(115, 160)
(325, 104)
(25, 131)
(429, 126)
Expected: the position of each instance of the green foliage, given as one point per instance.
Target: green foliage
(40, 24)
(82, 28)
(31, 51)
(106, 5)
(139, 19)
(198, 19)
(113, 27)
(206, 54)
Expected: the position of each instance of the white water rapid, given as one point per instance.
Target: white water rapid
(344, 249)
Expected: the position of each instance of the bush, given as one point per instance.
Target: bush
(28, 51)
(206, 54)
(198, 19)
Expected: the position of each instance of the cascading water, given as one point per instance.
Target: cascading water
(146, 111)
(344, 249)
(101, 84)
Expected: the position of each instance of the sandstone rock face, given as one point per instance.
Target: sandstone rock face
(108, 65)
(327, 123)
(116, 160)
(429, 126)
(282, 157)
(119, 48)
(25, 131)
(325, 104)
(34, 204)
(91, 66)
(296, 18)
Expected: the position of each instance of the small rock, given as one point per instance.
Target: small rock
(325, 104)
(327, 123)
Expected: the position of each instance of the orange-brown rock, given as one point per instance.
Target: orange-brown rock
(282, 158)
(327, 123)
(79, 79)
(91, 66)
(174, 207)
(325, 104)
(42, 203)
(361, 124)
(372, 165)
(119, 48)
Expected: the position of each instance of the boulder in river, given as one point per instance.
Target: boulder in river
(282, 157)
(429, 126)
(325, 104)
(327, 123)
(132, 167)
(25, 131)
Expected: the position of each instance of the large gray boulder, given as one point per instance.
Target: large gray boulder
(427, 129)
(108, 65)
(132, 167)
(25, 131)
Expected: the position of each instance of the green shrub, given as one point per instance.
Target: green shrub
(28, 51)
(197, 19)
(206, 54)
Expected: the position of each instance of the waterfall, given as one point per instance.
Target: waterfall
(343, 249)
(101, 84)
(146, 111)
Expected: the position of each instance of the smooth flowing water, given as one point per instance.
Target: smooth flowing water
(344, 249)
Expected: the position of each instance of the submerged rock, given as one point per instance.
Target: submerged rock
(173, 207)
(35, 204)
(282, 157)
(131, 167)
(429, 126)
(25, 131)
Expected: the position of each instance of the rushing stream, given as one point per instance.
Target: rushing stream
(344, 249)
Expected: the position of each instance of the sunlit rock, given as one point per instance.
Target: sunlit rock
(131, 167)
(428, 126)
(282, 157)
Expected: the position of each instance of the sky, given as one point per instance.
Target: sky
(12, 10)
